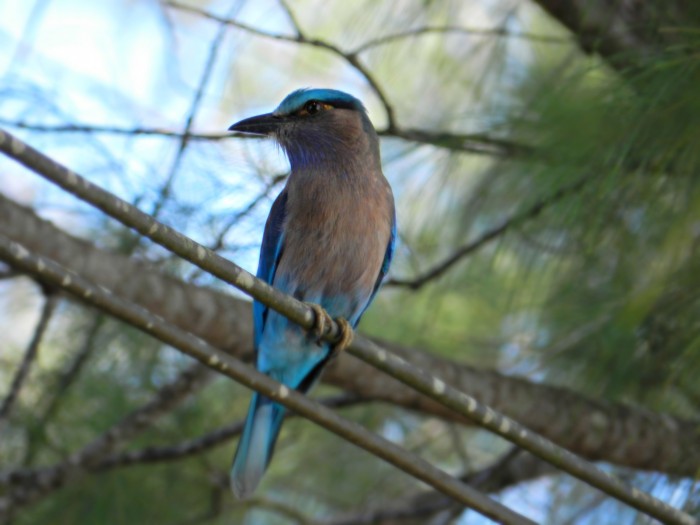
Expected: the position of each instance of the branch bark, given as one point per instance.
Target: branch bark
(47, 270)
(624, 33)
(513, 468)
(594, 429)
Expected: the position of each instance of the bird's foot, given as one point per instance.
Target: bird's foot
(346, 335)
(322, 320)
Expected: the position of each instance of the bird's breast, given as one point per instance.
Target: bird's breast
(336, 236)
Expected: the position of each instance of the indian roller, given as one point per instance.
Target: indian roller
(328, 241)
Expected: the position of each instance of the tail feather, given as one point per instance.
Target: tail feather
(256, 445)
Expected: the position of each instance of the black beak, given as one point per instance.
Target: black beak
(261, 125)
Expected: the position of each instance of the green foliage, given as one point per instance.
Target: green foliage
(598, 289)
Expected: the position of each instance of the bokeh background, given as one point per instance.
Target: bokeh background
(544, 158)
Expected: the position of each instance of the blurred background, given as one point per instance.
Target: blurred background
(544, 159)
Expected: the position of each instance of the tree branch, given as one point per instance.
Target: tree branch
(300, 313)
(200, 444)
(626, 32)
(513, 468)
(467, 31)
(29, 356)
(594, 429)
(300, 38)
(36, 431)
(476, 143)
(517, 219)
(417, 467)
(194, 107)
(29, 484)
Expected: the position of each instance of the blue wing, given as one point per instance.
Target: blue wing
(270, 253)
(388, 257)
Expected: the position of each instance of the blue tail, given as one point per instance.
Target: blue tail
(256, 445)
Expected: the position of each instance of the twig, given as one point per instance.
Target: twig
(29, 356)
(301, 314)
(197, 445)
(38, 429)
(219, 240)
(549, 39)
(27, 484)
(300, 38)
(513, 468)
(530, 213)
(47, 271)
(477, 143)
(93, 128)
(599, 432)
(194, 107)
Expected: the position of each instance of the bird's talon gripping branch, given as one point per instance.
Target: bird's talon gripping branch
(346, 335)
(321, 320)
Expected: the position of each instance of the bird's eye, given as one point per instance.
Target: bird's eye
(312, 107)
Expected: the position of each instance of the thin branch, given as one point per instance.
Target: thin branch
(147, 455)
(665, 443)
(511, 469)
(280, 508)
(478, 143)
(200, 444)
(290, 15)
(300, 38)
(27, 484)
(48, 271)
(517, 219)
(501, 32)
(30, 354)
(219, 240)
(37, 432)
(194, 107)
(114, 130)
(301, 314)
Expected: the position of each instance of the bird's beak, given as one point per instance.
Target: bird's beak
(260, 125)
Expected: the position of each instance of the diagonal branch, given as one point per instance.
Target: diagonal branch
(194, 107)
(625, 32)
(468, 31)
(200, 444)
(30, 354)
(476, 143)
(368, 351)
(516, 220)
(47, 271)
(28, 485)
(37, 429)
(513, 468)
(595, 429)
(114, 130)
(300, 38)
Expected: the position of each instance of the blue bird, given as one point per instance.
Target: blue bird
(329, 241)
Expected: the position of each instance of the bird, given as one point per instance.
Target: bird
(328, 241)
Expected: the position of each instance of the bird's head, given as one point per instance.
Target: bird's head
(313, 125)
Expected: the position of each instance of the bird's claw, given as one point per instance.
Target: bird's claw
(346, 335)
(322, 320)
